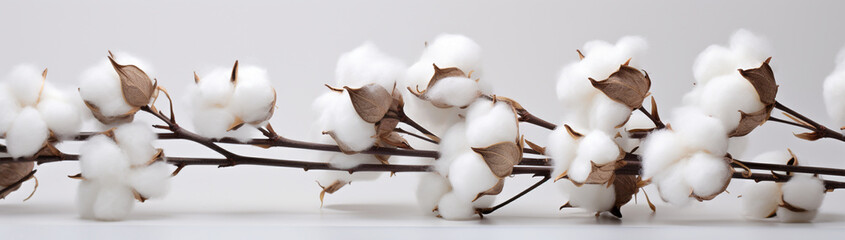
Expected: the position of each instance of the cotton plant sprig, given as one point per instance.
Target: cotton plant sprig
(597, 149)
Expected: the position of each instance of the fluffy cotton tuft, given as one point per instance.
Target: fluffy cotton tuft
(25, 83)
(101, 159)
(834, 91)
(100, 85)
(431, 188)
(591, 197)
(707, 174)
(469, 175)
(760, 200)
(488, 123)
(659, 151)
(673, 186)
(152, 181)
(367, 64)
(699, 132)
(562, 149)
(341, 118)
(136, 140)
(9, 109)
(804, 191)
(112, 202)
(746, 50)
(62, 117)
(452, 144)
(27, 134)
(453, 207)
(254, 97)
(599, 148)
(455, 91)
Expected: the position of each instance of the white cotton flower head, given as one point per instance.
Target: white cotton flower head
(27, 134)
(452, 145)
(745, 50)
(469, 175)
(112, 202)
(591, 197)
(431, 188)
(100, 85)
(724, 96)
(215, 88)
(707, 174)
(254, 97)
(453, 207)
(100, 158)
(454, 91)
(805, 192)
(25, 83)
(607, 114)
(699, 132)
(488, 123)
(61, 116)
(595, 147)
(673, 186)
(660, 150)
(834, 91)
(136, 140)
(337, 115)
(367, 64)
(760, 200)
(562, 148)
(447, 50)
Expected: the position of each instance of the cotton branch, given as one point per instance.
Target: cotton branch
(818, 130)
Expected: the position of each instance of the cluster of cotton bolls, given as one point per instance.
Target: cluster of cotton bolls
(592, 121)
(834, 91)
(463, 180)
(436, 100)
(102, 88)
(225, 99)
(721, 91)
(797, 200)
(32, 111)
(363, 66)
(118, 170)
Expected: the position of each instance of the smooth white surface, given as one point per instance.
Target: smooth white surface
(524, 43)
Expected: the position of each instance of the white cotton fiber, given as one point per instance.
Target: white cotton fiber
(707, 174)
(151, 181)
(27, 134)
(431, 188)
(437, 120)
(470, 175)
(599, 148)
(343, 161)
(751, 49)
(136, 140)
(660, 150)
(485, 128)
(773, 157)
(101, 159)
(699, 132)
(347, 126)
(804, 191)
(254, 95)
(759, 200)
(673, 186)
(25, 83)
(212, 122)
(725, 96)
(113, 202)
(367, 64)
(9, 109)
(573, 86)
(61, 117)
(788, 216)
(591, 197)
(452, 144)
(562, 149)
(746, 50)
(452, 207)
(714, 61)
(580, 169)
(607, 114)
(834, 91)
(453, 50)
(100, 85)
(215, 88)
(454, 91)
(86, 195)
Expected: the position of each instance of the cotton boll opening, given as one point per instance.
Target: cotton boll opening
(660, 150)
(431, 188)
(562, 149)
(470, 175)
(27, 134)
(152, 181)
(253, 97)
(347, 126)
(454, 91)
(136, 140)
(113, 202)
(804, 191)
(25, 83)
(452, 207)
(215, 88)
(707, 174)
(487, 127)
(580, 169)
(725, 96)
(101, 159)
(100, 85)
(367, 64)
(599, 148)
(759, 200)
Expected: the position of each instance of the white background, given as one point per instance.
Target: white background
(525, 44)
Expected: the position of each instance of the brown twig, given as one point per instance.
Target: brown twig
(820, 130)
(658, 124)
(517, 196)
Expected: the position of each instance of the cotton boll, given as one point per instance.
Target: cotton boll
(9, 109)
(591, 197)
(136, 140)
(698, 131)
(452, 144)
(25, 83)
(431, 188)
(100, 85)
(437, 120)
(562, 149)
(254, 97)
(113, 202)
(673, 186)
(27, 134)
(453, 207)
(485, 128)
(86, 195)
(598, 147)
(348, 127)
(759, 200)
(367, 64)
(215, 88)
(454, 91)
(212, 122)
(470, 175)
(101, 159)
(607, 114)
(573, 86)
(453, 50)
(788, 216)
(804, 192)
(580, 169)
(751, 49)
(714, 61)
(725, 96)
(707, 174)
(61, 117)
(152, 181)
(660, 150)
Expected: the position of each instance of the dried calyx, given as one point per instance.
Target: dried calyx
(137, 90)
(763, 80)
(380, 107)
(443, 75)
